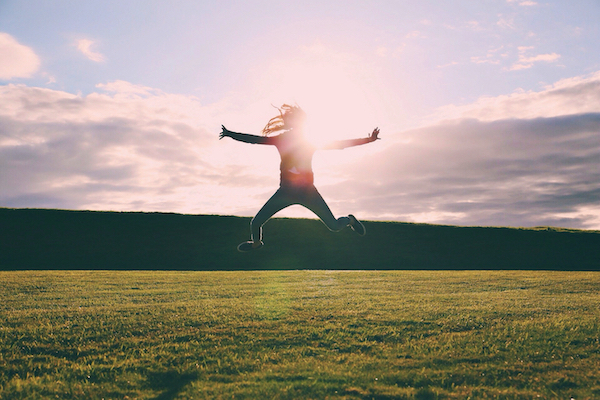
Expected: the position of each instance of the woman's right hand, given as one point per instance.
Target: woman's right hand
(374, 134)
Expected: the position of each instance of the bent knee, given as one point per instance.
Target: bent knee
(339, 224)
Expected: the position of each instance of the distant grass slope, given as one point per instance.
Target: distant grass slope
(58, 239)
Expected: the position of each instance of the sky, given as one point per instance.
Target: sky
(489, 110)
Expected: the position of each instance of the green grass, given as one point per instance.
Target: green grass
(299, 334)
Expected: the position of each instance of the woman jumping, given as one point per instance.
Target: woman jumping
(296, 186)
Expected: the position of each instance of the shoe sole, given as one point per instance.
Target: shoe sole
(247, 246)
(356, 222)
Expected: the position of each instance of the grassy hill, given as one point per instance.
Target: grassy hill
(59, 239)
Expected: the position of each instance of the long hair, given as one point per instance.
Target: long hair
(281, 122)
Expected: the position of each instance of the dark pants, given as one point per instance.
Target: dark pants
(304, 195)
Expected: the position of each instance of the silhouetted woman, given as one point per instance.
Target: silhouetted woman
(296, 185)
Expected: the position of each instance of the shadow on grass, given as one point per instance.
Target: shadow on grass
(171, 383)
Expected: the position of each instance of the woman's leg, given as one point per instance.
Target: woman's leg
(315, 203)
(280, 200)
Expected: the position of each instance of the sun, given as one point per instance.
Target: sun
(334, 89)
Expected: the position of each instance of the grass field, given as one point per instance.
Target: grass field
(299, 334)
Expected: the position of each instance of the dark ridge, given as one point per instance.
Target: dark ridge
(42, 239)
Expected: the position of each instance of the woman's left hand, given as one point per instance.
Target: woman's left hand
(224, 133)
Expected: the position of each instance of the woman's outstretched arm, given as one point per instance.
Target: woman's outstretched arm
(342, 144)
(244, 137)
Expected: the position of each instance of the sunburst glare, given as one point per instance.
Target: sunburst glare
(335, 89)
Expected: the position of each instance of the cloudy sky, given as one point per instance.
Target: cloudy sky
(489, 110)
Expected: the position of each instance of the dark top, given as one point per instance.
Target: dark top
(296, 154)
(296, 159)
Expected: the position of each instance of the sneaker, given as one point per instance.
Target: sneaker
(357, 226)
(248, 246)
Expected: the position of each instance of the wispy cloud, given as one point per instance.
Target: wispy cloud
(526, 61)
(85, 47)
(450, 64)
(474, 25)
(383, 51)
(51, 79)
(524, 3)
(493, 56)
(506, 22)
(578, 95)
(414, 34)
(18, 61)
(484, 60)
